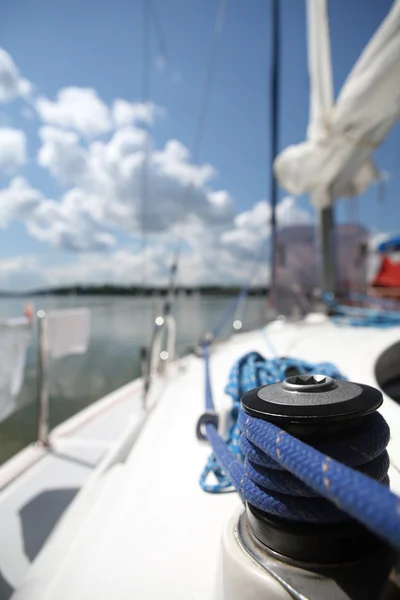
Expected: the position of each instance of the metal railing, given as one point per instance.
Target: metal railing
(42, 381)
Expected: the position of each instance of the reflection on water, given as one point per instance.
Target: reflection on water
(120, 325)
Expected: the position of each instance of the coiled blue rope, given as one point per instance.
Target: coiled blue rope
(251, 371)
(286, 477)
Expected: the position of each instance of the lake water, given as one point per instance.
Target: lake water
(119, 326)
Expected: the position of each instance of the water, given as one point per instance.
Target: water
(119, 326)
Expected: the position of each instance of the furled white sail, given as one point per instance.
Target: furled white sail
(15, 337)
(320, 68)
(335, 160)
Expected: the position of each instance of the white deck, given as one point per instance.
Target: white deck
(44, 482)
(142, 527)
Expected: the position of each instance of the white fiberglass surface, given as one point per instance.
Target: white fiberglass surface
(153, 532)
(42, 483)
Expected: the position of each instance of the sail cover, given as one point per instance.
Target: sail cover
(335, 159)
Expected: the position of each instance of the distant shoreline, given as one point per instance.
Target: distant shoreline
(111, 290)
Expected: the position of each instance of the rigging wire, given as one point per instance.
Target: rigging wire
(274, 124)
(381, 200)
(144, 190)
(200, 127)
(146, 40)
(274, 83)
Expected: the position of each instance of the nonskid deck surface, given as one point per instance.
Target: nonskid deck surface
(149, 531)
(38, 484)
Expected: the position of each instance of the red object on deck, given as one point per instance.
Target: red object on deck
(388, 274)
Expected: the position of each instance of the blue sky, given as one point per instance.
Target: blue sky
(58, 45)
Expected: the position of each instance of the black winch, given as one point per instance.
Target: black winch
(312, 404)
(312, 407)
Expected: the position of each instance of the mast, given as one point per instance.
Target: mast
(321, 103)
(274, 124)
(327, 248)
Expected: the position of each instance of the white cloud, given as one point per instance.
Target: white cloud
(120, 267)
(69, 224)
(11, 83)
(25, 88)
(129, 113)
(108, 177)
(21, 273)
(61, 154)
(290, 213)
(106, 192)
(82, 110)
(12, 149)
(206, 257)
(252, 228)
(125, 267)
(215, 249)
(76, 108)
(18, 200)
(113, 187)
(174, 162)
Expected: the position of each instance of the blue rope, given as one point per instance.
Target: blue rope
(360, 316)
(378, 320)
(223, 483)
(284, 476)
(379, 302)
(251, 371)
(207, 377)
(326, 487)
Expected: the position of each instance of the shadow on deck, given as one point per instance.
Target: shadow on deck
(6, 590)
(40, 515)
(38, 519)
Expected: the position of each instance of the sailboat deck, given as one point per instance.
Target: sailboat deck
(142, 526)
(38, 484)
